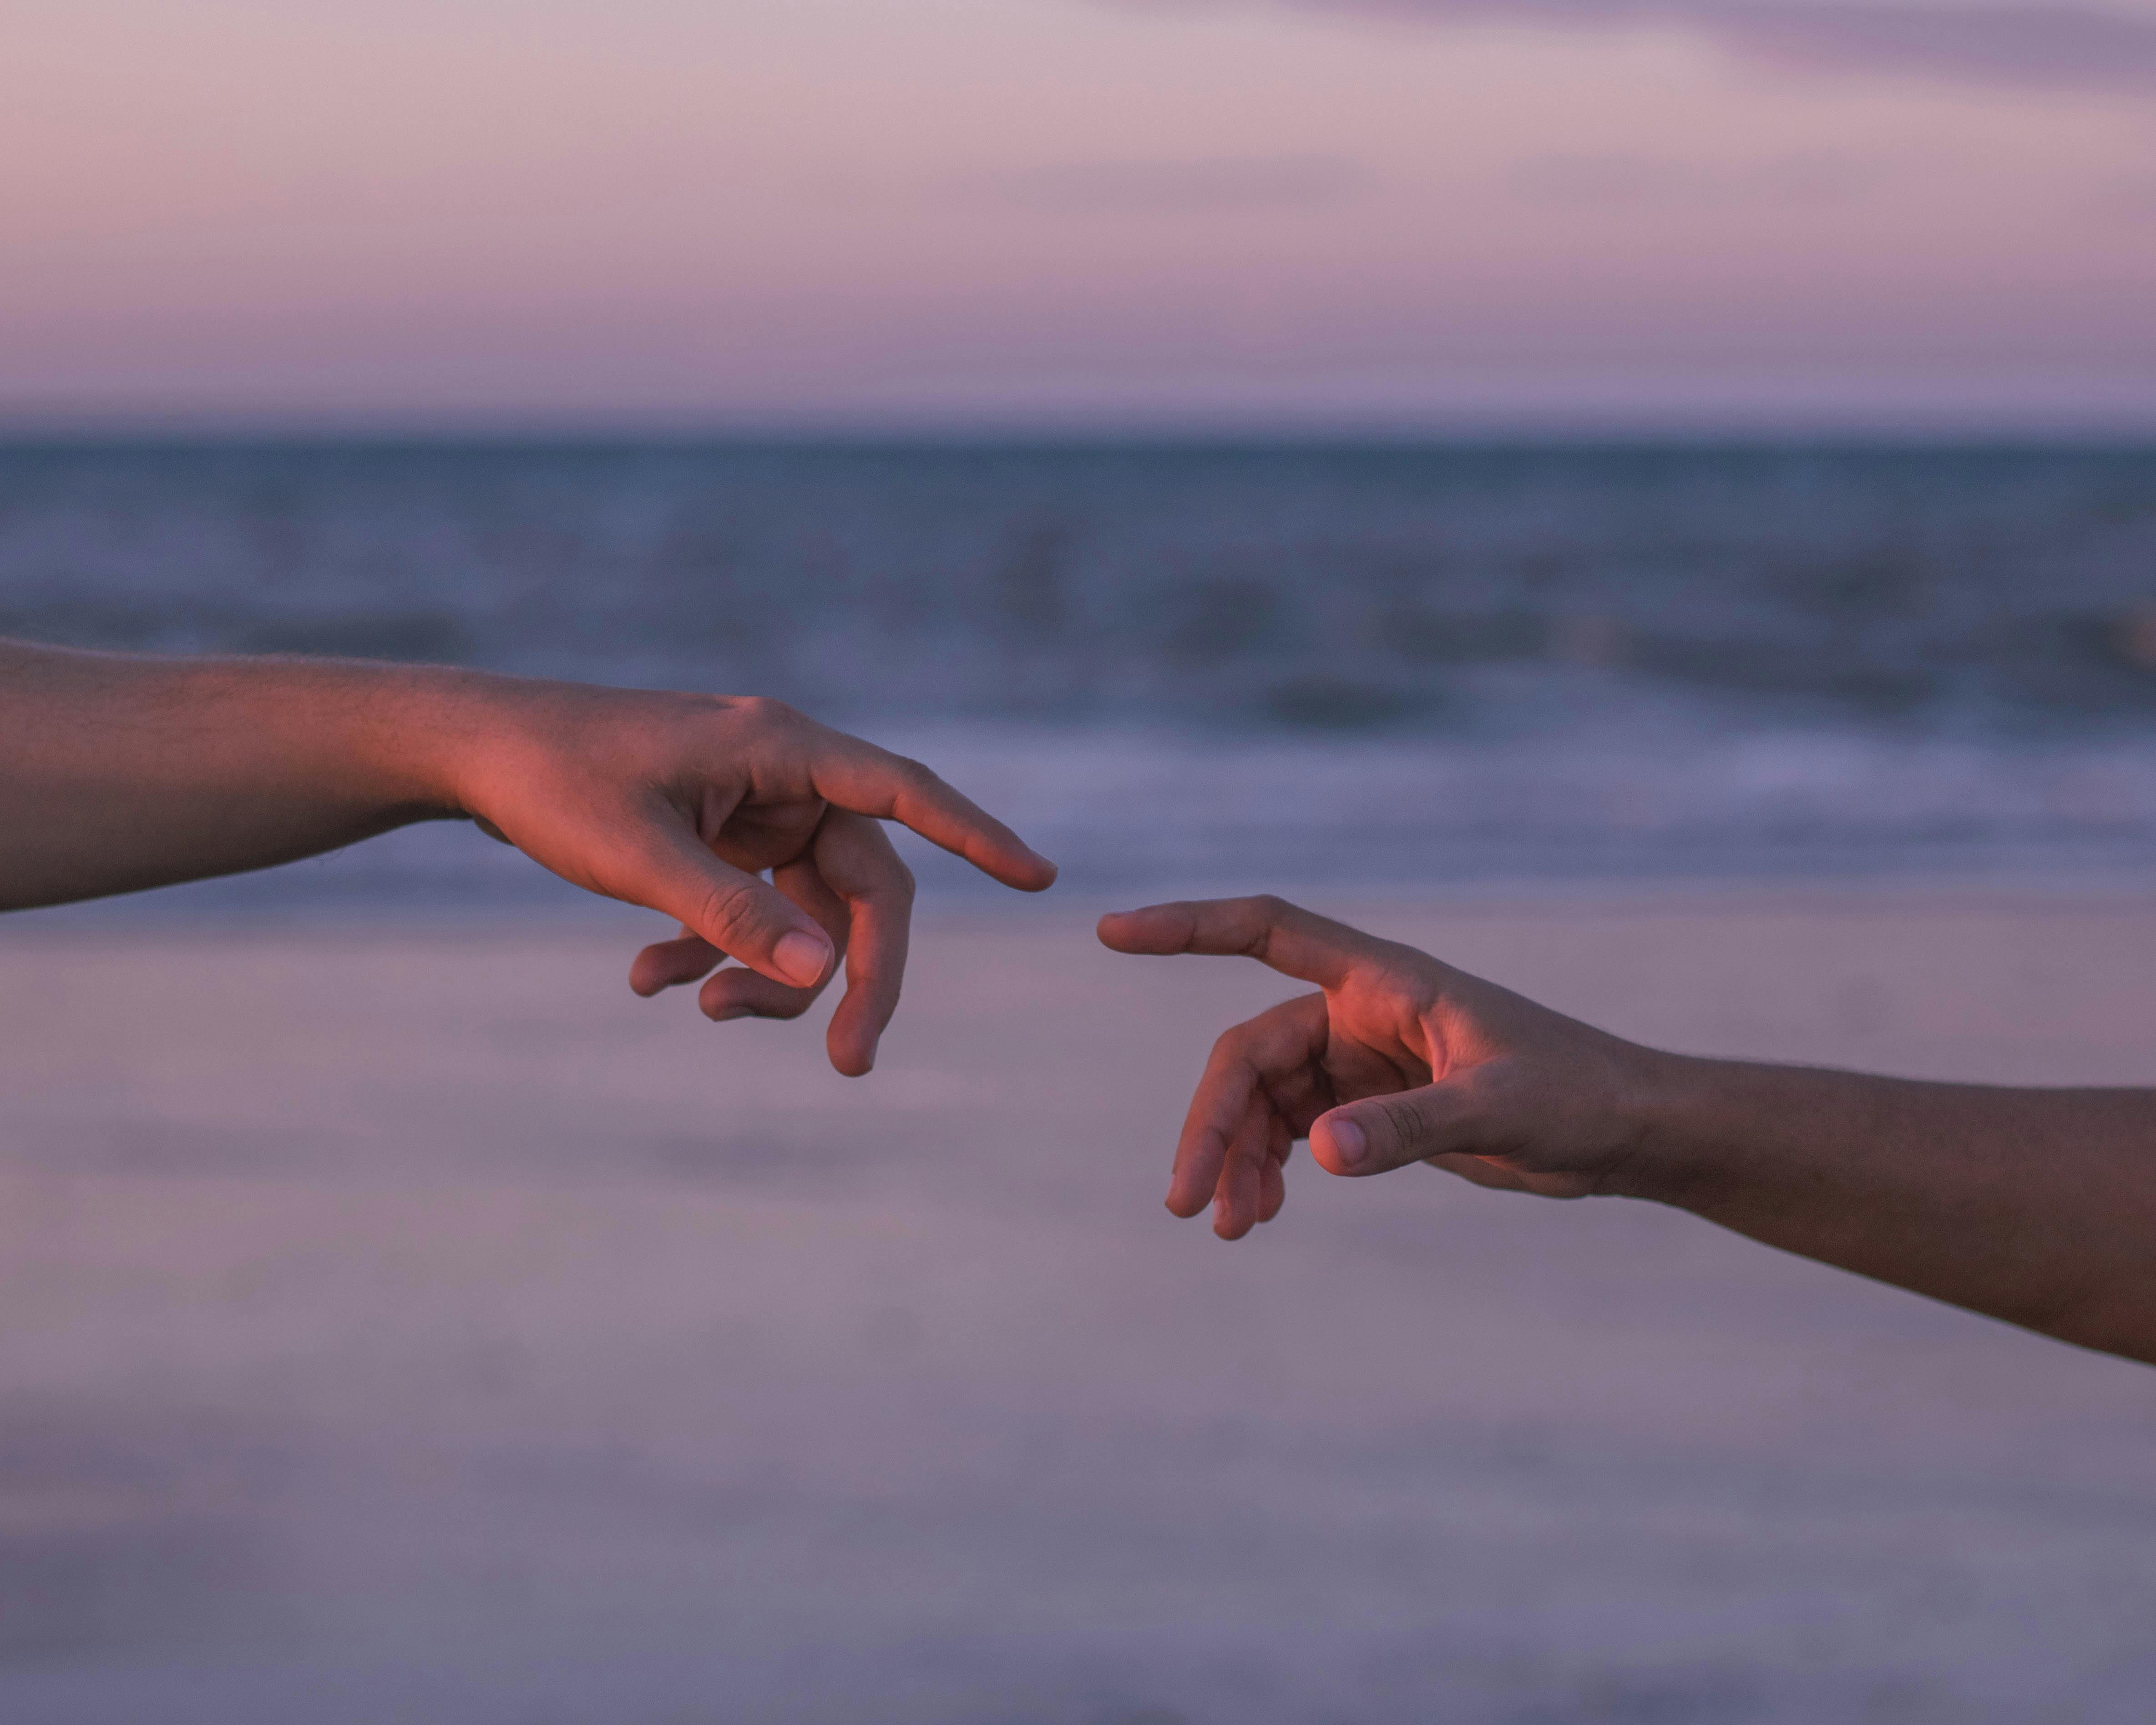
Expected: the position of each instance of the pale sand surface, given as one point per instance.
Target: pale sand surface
(413, 1325)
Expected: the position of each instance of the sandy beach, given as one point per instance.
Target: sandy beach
(408, 1323)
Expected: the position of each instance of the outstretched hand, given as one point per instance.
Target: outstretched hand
(681, 803)
(1399, 1059)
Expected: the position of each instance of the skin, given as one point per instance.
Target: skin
(2036, 1206)
(119, 773)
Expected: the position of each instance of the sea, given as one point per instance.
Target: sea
(1193, 667)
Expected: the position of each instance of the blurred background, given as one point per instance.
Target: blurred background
(1654, 498)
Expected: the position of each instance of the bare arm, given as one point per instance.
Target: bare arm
(2036, 1206)
(119, 773)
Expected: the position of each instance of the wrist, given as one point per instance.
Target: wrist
(415, 732)
(1669, 1107)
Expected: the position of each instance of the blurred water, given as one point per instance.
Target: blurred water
(1336, 666)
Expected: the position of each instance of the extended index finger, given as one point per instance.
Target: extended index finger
(850, 773)
(1295, 941)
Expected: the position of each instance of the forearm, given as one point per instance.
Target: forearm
(2036, 1206)
(118, 773)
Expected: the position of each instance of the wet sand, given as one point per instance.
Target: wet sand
(413, 1325)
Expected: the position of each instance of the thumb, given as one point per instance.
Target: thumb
(743, 915)
(1381, 1133)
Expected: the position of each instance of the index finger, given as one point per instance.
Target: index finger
(849, 773)
(1291, 940)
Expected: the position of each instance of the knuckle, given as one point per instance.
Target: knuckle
(1250, 920)
(1403, 1128)
(1429, 978)
(1232, 1046)
(1260, 916)
(914, 775)
(730, 909)
(764, 713)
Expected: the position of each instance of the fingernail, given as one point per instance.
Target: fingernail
(803, 958)
(1349, 1146)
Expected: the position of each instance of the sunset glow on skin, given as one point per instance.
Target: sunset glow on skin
(857, 211)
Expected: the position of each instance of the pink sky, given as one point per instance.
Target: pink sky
(1339, 213)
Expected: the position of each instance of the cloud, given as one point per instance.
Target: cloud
(1175, 187)
(2078, 46)
(1618, 180)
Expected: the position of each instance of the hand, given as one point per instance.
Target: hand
(1400, 1058)
(679, 802)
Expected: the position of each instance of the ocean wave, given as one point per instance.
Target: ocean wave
(1264, 665)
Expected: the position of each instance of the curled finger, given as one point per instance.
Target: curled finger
(667, 964)
(1239, 1199)
(1272, 1182)
(1277, 1050)
(856, 861)
(738, 993)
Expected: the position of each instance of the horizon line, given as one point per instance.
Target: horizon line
(18, 436)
